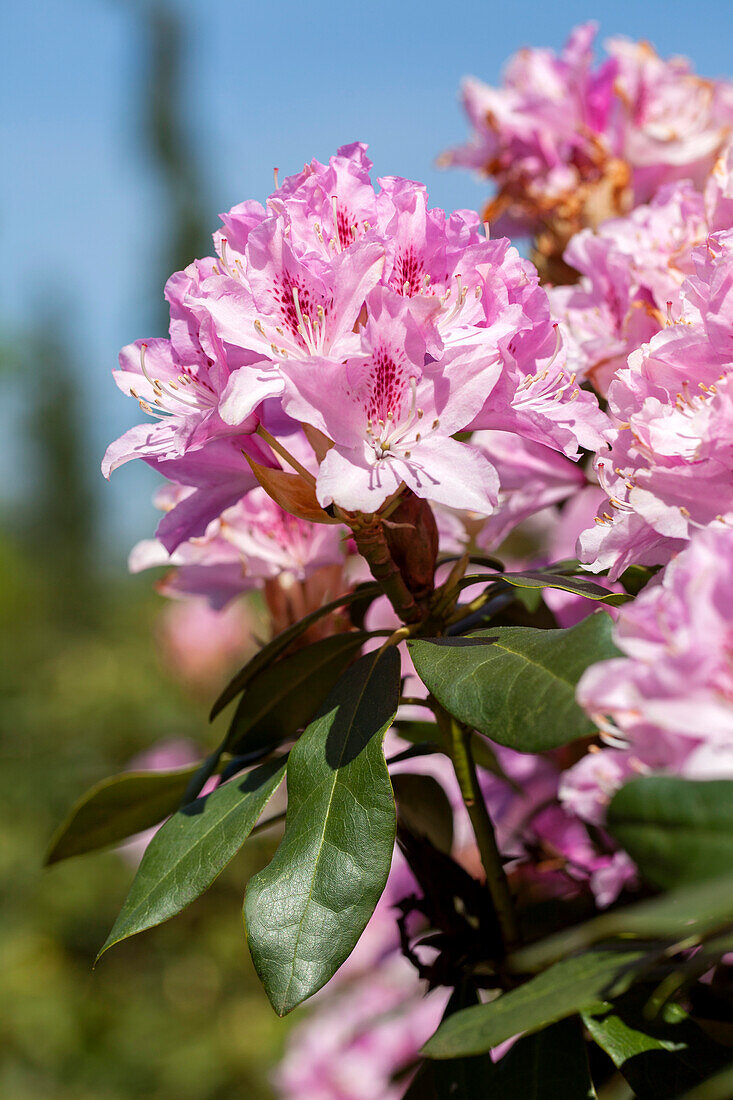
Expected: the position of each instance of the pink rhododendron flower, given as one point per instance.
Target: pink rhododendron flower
(248, 544)
(543, 134)
(212, 479)
(200, 645)
(391, 415)
(668, 469)
(282, 307)
(531, 477)
(178, 382)
(672, 123)
(667, 704)
(453, 314)
(381, 323)
(632, 270)
(719, 192)
(355, 1041)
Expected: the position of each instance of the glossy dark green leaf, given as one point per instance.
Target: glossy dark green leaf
(548, 1065)
(676, 830)
(562, 990)
(551, 1064)
(306, 910)
(459, 1078)
(636, 577)
(688, 913)
(282, 698)
(516, 684)
(118, 808)
(660, 1057)
(579, 586)
(280, 643)
(424, 809)
(192, 848)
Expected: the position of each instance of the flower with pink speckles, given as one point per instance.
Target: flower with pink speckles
(368, 316)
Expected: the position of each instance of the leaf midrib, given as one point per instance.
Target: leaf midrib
(529, 661)
(172, 868)
(321, 841)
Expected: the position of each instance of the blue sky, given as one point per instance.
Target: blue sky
(267, 84)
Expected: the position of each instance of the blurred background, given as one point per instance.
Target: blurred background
(127, 127)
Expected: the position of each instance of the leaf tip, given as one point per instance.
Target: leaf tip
(51, 856)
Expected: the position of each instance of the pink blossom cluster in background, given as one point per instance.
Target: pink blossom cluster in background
(570, 143)
(667, 468)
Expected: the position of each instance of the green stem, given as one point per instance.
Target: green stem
(465, 769)
(372, 545)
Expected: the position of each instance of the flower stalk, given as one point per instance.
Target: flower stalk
(459, 741)
(372, 545)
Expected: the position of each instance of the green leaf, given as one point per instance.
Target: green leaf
(719, 1087)
(460, 1078)
(282, 698)
(562, 990)
(516, 684)
(118, 808)
(423, 808)
(636, 577)
(416, 731)
(306, 910)
(676, 830)
(280, 643)
(660, 1057)
(192, 848)
(549, 1065)
(579, 586)
(689, 913)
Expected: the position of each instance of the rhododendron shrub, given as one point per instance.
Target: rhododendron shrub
(483, 528)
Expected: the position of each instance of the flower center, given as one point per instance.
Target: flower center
(186, 395)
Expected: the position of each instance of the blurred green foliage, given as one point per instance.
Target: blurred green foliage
(178, 1012)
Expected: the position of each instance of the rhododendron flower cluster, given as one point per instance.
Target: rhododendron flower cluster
(667, 469)
(361, 402)
(570, 144)
(369, 317)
